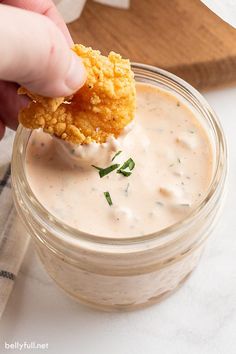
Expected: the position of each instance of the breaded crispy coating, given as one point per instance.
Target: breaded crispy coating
(102, 107)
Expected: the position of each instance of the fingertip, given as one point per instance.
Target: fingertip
(53, 69)
(76, 74)
(67, 35)
(61, 85)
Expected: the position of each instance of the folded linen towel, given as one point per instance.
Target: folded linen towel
(13, 238)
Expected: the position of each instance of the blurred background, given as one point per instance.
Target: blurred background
(181, 36)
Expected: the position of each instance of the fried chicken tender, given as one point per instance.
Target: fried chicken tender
(102, 107)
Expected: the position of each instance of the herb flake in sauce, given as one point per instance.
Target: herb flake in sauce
(124, 173)
(129, 164)
(105, 171)
(127, 188)
(108, 198)
(118, 153)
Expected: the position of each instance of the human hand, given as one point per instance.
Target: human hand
(35, 53)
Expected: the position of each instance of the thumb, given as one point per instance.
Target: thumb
(35, 54)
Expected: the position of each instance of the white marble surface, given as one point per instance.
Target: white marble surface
(199, 318)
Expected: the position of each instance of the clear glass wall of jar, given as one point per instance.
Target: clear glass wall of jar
(128, 273)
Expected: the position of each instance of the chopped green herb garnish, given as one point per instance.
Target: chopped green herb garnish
(104, 171)
(118, 153)
(129, 164)
(108, 198)
(98, 168)
(179, 161)
(124, 173)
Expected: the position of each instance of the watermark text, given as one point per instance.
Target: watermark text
(26, 345)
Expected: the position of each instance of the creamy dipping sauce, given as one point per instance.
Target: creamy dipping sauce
(173, 169)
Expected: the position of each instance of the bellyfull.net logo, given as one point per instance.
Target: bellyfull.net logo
(26, 345)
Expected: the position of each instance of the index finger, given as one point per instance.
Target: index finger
(43, 7)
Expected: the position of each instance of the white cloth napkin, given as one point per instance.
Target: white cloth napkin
(13, 238)
(226, 9)
(71, 9)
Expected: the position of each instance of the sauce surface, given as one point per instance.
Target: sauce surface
(173, 170)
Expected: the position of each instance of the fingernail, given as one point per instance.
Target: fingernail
(76, 75)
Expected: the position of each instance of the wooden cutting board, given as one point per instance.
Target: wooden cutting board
(182, 36)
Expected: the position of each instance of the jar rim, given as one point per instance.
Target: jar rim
(72, 235)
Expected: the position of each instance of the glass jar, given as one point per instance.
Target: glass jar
(128, 273)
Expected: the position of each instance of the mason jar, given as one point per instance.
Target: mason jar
(125, 273)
